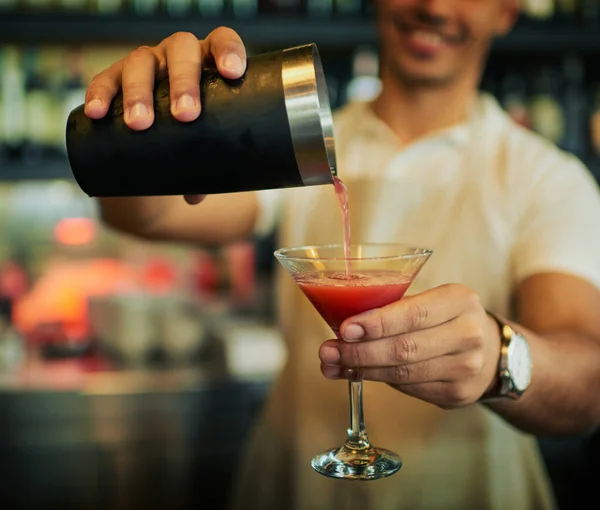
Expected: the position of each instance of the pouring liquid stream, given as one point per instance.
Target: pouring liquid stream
(357, 436)
(341, 193)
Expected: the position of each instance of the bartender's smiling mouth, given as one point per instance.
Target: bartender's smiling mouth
(427, 40)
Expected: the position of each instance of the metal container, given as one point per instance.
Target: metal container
(270, 129)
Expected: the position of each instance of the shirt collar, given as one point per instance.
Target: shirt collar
(484, 106)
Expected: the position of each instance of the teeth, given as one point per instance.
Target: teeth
(430, 38)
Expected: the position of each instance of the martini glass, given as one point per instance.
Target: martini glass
(375, 275)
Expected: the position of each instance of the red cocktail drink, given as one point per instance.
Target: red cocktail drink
(342, 281)
(337, 296)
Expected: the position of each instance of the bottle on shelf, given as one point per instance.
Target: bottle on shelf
(538, 10)
(514, 99)
(319, 8)
(14, 285)
(37, 114)
(211, 8)
(547, 112)
(333, 86)
(566, 11)
(287, 7)
(147, 7)
(73, 88)
(365, 84)
(348, 7)
(12, 98)
(42, 118)
(8, 5)
(3, 147)
(574, 105)
(73, 5)
(12, 345)
(244, 8)
(491, 83)
(107, 7)
(594, 128)
(590, 15)
(37, 5)
(179, 7)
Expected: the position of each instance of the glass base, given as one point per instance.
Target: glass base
(357, 464)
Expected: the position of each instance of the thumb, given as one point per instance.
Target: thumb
(194, 199)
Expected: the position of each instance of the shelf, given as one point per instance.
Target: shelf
(55, 168)
(61, 29)
(541, 39)
(264, 31)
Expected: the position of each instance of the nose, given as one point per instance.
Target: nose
(435, 11)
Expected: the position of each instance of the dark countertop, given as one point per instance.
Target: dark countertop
(89, 433)
(170, 438)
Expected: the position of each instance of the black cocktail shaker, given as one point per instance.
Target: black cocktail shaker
(270, 129)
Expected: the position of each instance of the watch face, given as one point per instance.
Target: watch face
(519, 362)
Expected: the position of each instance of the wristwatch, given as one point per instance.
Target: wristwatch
(514, 366)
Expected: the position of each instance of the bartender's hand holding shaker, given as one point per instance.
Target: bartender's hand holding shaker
(140, 142)
(181, 56)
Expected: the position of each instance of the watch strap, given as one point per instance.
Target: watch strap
(503, 390)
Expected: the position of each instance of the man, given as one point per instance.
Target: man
(514, 227)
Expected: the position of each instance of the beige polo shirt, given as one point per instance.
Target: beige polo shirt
(496, 203)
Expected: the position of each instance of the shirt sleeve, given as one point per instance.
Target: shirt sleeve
(559, 230)
(269, 211)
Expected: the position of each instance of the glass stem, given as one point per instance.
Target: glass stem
(357, 434)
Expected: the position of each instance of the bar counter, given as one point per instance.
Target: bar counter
(82, 435)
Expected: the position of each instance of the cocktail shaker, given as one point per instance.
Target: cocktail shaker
(270, 129)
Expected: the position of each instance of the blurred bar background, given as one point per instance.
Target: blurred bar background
(130, 372)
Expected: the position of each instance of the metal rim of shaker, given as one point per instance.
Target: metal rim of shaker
(309, 114)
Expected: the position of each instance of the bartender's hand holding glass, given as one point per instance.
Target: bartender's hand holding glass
(439, 346)
(180, 56)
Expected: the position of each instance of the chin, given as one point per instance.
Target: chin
(424, 77)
